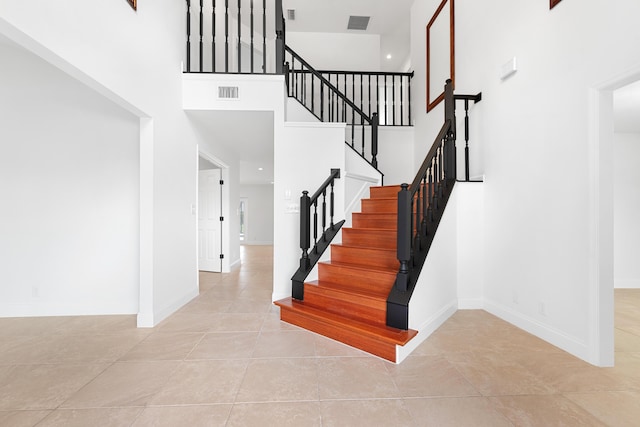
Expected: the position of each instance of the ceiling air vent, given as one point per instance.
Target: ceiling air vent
(358, 22)
(291, 14)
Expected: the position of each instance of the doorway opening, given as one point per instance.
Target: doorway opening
(243, 213)
(626, 228)
(601, 223)
(212, 209)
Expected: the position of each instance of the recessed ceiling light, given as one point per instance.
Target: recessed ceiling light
(260, 169)
(389, 56)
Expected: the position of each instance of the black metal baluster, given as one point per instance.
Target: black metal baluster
(374, 139)
(239, 37)
(295, 82)
(330, 101)
(401, 100)
(423, 218)
(353, 127)
(361, 94)
(418, 219)
(313, 95)
(336, 106)
(441, 171)
(393, 97)
(251, 7)
(386, 115)
(409, 84)
(344, 103)
(369, 95)
(331, 206)
(378, 94)
(315, 226)
(213, 36)
(188, 36)
(201, 46)
(436, 177)
(466, 140)
(321, 101)
(264, 36)
(430, 175)
(226, 36)
(324, 214)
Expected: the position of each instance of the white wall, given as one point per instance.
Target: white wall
(337, 51)
(296, 112)
(395, 154)
(260, 213)
(626, 210)
(139, 67)
(471, 242)
(69, 185)
(535, 133)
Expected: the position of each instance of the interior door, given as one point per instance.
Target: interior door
(209, 225)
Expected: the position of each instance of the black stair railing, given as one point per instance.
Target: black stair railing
(234, 36)
(325, 101)
(420, 209)
(385, 93)
(317, 223)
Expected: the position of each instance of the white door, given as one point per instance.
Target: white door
(209, 225)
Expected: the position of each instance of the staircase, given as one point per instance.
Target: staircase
(348, 301)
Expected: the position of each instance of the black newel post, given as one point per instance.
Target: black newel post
(305, 228)
(404, 237)
(297, 290)
(375, 120)
(450, 142)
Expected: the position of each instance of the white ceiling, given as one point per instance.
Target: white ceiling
(389, 19)
(247, 133)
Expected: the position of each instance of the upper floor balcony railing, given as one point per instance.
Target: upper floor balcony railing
(234, 36)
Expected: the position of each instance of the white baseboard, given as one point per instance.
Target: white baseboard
(160, 315)
(626, 283)
(257, 243)
(80, 308)
(547, 333)
(233, 265)
(425, 330)
(470, 304)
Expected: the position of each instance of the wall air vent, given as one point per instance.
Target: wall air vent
(227, 92)
(291, 14)
(358, 23)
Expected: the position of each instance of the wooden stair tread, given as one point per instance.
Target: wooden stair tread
(382, 333)
(358, 267)
(358, 229)
(352, 246)
(337, 287)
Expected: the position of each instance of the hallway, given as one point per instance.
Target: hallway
(226, 359)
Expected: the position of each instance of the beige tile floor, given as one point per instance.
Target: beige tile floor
(226, 359)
